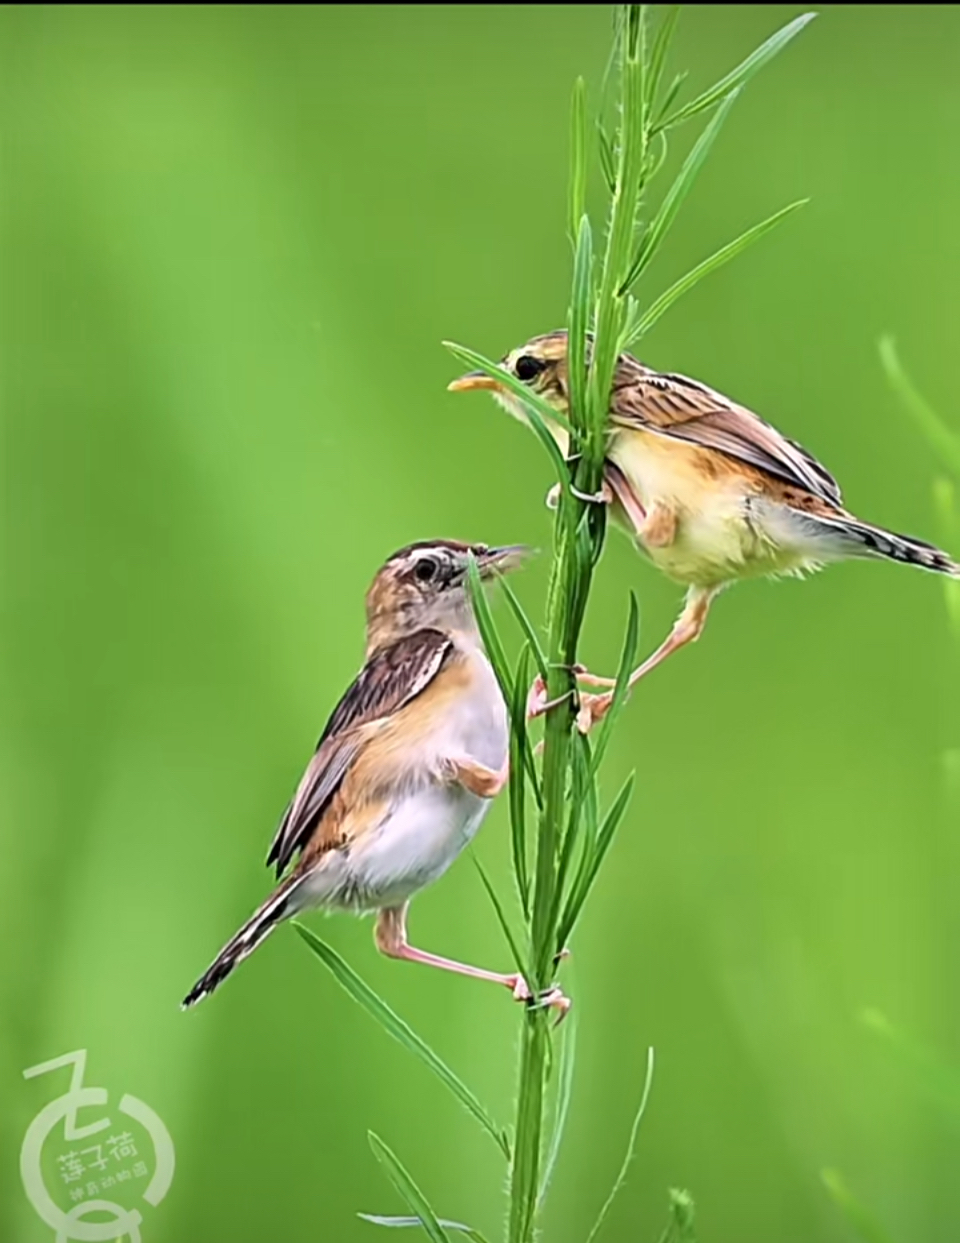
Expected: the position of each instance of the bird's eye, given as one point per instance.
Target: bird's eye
(426, 569)
(527, 367)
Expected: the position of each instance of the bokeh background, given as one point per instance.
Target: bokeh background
(233, 239)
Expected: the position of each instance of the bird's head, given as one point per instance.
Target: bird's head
(541, 364)
(425, 585)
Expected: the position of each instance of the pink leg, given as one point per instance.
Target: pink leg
(391, 938)
(688, 629)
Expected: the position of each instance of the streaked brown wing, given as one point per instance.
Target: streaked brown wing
(687, 410)
(389, 680)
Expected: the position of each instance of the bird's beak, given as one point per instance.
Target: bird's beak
(502, 560)
(472, 380)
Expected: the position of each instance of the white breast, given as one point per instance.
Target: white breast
(428, 822)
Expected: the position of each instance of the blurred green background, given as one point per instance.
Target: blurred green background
(233, 239)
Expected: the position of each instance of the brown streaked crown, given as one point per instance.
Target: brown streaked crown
(425, 584)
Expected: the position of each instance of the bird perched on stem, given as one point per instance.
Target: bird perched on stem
(405, 769)
(711, 492)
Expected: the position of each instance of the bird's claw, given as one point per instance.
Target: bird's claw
(552, 998)
(593, 708)
(537, 701)
(603, 497)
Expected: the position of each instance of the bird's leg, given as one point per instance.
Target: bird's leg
(478, 778)
(390, 934)
(687, 629)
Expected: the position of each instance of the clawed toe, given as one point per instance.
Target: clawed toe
(551, 999)
(593, 708)
(537, 701)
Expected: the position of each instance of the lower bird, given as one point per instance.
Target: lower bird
(405, 769)
(711, 492)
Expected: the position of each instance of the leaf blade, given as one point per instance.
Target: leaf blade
(742, 73)
(568, 1055)
(856, 1213)
(665, 301)
(526, 625)
(540, 412)
(407, 1188)
(944, 441)
(401, 1031)
(673, 199)
(578, 159)
(519, 957)
(489, 634)
(631, 1150)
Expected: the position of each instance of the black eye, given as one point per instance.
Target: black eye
(426, 569)
(527, 367)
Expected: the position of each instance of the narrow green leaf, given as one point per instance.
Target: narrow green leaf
(658, 227)
(582, 806)
(408, 1189)
(519, 751)
(527, 626)
(561, 1108)
(645, 322)
(631, 1150)
(578, 159)
(608, 161)
(488, 630)
(744, 71)
(521, 960)
(944, 441)
(669, 95)
(403, 1222)
(628, 656)
(658, 53)
(857, 1214)
(401, 1031)
(578, 325)
(539, 411)
(521, 748)
(611, 822)
(938, 1078)
(588, 874)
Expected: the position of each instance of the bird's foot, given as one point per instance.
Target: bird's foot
(593, 708)
(603, 497)
(537, 702)
(550, 999)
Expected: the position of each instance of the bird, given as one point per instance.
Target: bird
(405, 769)
(711, 493)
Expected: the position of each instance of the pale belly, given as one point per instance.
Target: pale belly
(412, 847)
(427, 823)
(721, 531)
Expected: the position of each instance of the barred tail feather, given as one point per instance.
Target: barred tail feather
(860, 539)
(253, 933)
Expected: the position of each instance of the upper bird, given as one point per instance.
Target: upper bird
(712, 493)
(405, 769)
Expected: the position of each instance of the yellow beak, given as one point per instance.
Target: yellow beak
(472, 380)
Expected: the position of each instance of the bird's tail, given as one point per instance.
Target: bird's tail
(255, 931)
(860, 539)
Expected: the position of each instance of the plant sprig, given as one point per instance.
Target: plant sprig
(560, 842)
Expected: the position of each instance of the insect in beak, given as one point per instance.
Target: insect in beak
(502, 560)
(474, 380)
